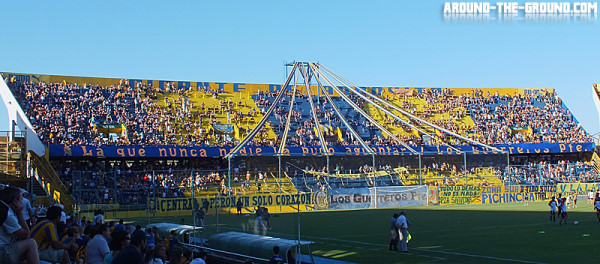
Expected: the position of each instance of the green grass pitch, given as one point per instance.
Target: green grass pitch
(499, 233)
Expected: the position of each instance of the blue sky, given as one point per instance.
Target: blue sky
(371, 43)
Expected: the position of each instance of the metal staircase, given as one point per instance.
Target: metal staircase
(43, 172)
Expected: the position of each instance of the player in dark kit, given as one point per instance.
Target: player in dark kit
(394, 233)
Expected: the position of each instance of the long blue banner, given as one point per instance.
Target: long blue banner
(191, 152)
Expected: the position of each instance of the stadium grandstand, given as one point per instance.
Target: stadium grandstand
(124, 144)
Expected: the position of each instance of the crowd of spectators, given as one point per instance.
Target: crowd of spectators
(546, 173)
(134, 182)
(531, 173)
(450, 173)
(66, 113)
(498, 116)
(303, 125)
(537, 117)
(57, 238)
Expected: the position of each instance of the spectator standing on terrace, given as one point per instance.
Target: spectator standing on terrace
(402, 224)
(98, 217)
(149, 239)
(172, 242)
(552, 205)
(28, 213)
(63, 215)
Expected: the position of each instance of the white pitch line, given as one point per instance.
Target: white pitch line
(482, 228)
(458, 230)
(479, 256)
(436, 258)
(431, 250)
